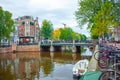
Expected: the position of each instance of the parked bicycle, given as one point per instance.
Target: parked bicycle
(113, 71)
(103, 57)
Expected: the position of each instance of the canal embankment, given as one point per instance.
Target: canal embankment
(19, 48)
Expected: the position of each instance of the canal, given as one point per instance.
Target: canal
(40, 65)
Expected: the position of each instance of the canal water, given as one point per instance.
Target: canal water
(40, 65)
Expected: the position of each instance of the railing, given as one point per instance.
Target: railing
(62, 42)
(27, 44)
(5, 45)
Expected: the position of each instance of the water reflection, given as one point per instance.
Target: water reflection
(47, 66)
(6, 74)
(25, 65)
(40, 65)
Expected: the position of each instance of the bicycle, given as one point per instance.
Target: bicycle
(113, 72)
(102, 58)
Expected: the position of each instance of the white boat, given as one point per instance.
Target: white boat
(80, 68)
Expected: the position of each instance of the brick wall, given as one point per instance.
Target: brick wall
(6, 50)
(14, 48)
(28, 48)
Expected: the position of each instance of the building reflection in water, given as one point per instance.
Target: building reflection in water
(35, 65)
(24, 65)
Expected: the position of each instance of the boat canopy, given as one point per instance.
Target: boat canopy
(94, 75)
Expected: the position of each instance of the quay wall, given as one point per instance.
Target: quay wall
(16, 48)
(28, 48)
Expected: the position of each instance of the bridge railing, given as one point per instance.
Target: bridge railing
(62, 41)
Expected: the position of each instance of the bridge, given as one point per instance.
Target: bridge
(66, 44)
(58, 46)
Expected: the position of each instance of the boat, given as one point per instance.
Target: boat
(80, 68)
(94, 75)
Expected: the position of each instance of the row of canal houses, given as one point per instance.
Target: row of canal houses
(27, 31)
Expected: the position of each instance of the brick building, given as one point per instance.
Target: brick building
(27, 30)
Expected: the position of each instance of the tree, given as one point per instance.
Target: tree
(76, 36)
(86, 11)
(6, 24)
(103, 20)
(66, 33)
(56, 34)
(47, 29)
(83, 37)
(99, 15)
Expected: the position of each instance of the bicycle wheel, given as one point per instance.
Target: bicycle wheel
(116, 67)
(96, 55)
(102, 62)
(109, 75)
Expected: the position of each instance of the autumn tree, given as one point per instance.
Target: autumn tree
(47, 29)
(6, 24)
(56, 34)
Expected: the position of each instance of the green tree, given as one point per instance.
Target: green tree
(86, 11)
(103, 20)
(116, 10)
(99, 15)
(47, 29)
(83, 37)
(76, 36)
(6, 24)
(66, 33)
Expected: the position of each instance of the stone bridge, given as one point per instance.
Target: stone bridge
(61, 46)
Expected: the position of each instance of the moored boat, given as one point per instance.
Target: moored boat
(80, 68)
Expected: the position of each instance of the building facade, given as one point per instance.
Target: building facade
(27, 30)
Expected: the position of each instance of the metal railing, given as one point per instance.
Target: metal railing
(5, 45)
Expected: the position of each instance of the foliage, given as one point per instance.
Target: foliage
(6, 24)
(99, 15)
(66, 33)
(83, 37)
(47, 29)
(116, 11)
(94, 36)
(76, 36)
(56, 34)
(103, 19)
(86, 11)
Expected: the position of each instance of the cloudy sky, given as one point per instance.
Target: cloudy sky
(57, 11)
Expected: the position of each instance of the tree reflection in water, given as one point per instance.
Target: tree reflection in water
(38, 65)
(47, 66)
(6, 74)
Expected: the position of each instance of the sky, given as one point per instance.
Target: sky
(57, 11)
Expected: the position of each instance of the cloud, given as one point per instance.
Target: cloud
(47, 4)
(57, 11)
